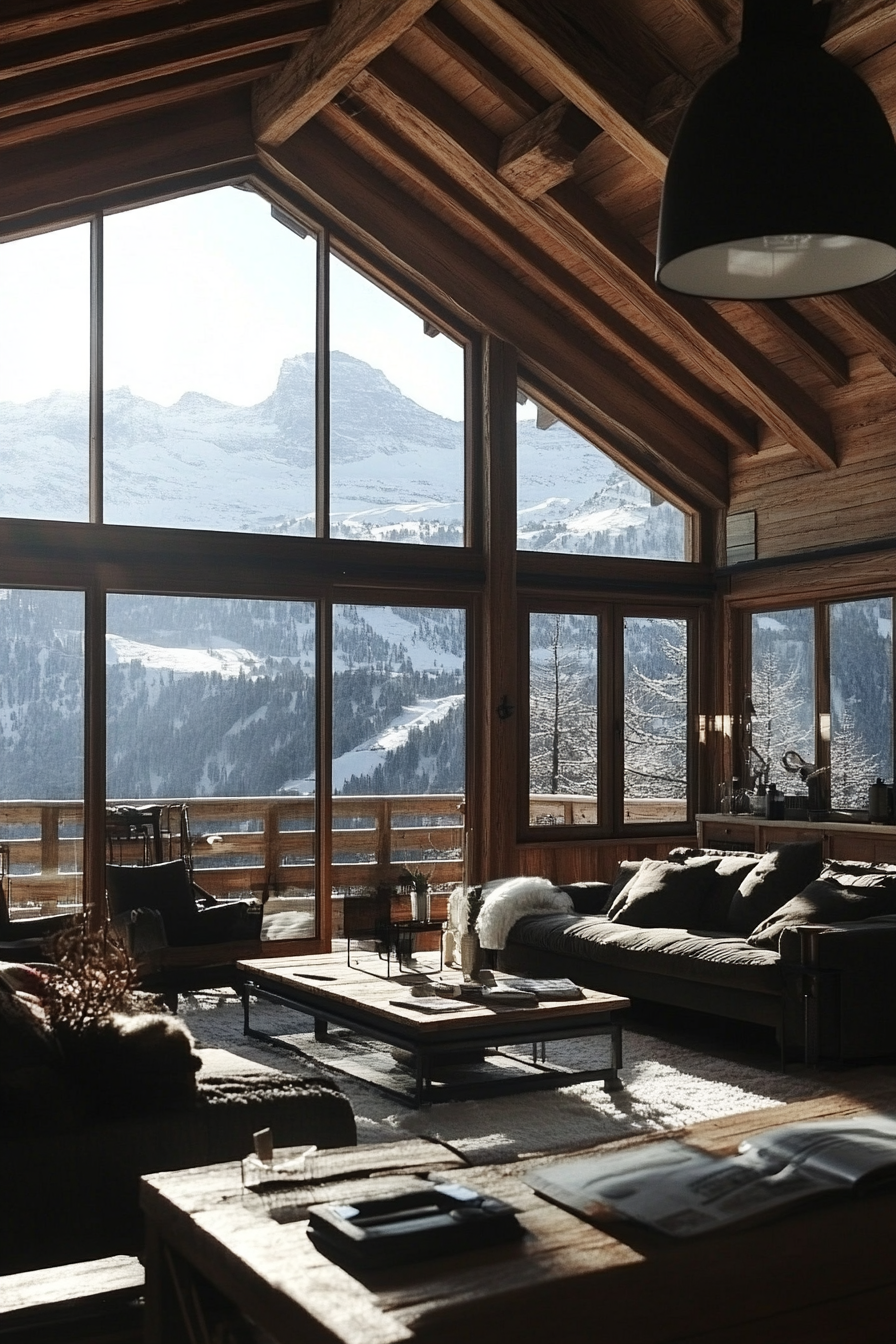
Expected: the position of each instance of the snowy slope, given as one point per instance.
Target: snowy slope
(365, 758)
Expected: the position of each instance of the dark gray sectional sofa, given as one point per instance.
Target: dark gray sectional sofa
(826, 985)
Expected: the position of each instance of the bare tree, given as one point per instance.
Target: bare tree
(563, 710)
(782, 721)
(853, 766)
(656, 716)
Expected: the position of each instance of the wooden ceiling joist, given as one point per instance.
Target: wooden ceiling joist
(546, 276)
(869, 315)
(818, 348)
(322, 168)
(580, 68)
(543, 152)
(49, 84)
(357, 32)
(289, 20)
(469, 152)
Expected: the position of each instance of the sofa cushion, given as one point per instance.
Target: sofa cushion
(664, 895)
(705, 958)
(730, 872)
(628, 870)
(589, 898)
(777, 877)
(827, 902)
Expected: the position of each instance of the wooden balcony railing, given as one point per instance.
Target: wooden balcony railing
(245, 844)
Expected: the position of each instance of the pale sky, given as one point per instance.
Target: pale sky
(207, 293)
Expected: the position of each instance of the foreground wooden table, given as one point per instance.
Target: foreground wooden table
(826, 1274)
(333, 992)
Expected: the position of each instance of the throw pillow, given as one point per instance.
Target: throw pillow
(778, 876)
(825, 902)
(589, 898)
(730, 872)
(663, 895)
(628, 869)
(25, 1039)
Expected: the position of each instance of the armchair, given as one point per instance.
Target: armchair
(181, 937)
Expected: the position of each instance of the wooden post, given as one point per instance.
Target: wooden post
(95, 754)
(495, 831)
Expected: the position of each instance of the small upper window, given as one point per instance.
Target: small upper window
(572, 499)
(45, 375)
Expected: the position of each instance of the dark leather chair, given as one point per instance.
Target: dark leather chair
(181, 937)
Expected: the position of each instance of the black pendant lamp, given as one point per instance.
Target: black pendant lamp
(782, 178)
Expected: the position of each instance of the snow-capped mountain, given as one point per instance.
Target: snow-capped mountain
(217, 696)
(397, 469)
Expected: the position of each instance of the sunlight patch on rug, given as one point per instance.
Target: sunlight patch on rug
(667, 1086)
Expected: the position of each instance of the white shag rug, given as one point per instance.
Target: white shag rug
(667, 1086)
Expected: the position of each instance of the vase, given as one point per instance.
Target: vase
(472, 957)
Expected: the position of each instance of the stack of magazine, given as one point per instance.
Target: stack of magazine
(682, 1191)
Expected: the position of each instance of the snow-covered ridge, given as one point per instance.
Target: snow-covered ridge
(397, 469)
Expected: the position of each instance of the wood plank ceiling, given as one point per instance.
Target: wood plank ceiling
(522, 143)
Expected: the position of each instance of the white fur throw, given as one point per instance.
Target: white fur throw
(508, 900)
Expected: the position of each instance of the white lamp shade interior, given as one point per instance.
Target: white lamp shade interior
(779, 267)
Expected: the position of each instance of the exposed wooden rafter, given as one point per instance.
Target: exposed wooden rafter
(490, 228)
(140, 28)
(869, 315)
(819, 349)
(357, 32)
(636, 426)
(543, 152)
(468, 150)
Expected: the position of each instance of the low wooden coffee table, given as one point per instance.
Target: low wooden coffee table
(339, 995)
(822, 1274)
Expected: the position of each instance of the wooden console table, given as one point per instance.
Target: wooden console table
(825, 1273)
(839, 839)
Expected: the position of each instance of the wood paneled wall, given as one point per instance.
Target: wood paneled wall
(594, 861)
(799, 509)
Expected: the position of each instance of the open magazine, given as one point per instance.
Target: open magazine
(683, 1192)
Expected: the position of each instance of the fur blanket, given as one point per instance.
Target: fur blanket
(510, 899)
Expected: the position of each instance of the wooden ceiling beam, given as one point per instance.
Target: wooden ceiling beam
(469, 152)
(67, 175)
(543, 152)
(818, 348)
(137, 98)
(460, 208)
(120, 69)
(145, 28)
(868, 315)
(357, 32)
(23, 19)
(456, 41)
(580, 67)
(636, 428)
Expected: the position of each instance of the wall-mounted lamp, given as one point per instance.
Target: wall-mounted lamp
(782, 178)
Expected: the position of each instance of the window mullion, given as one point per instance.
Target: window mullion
(322, 388)
(96, 370)
(823, 689)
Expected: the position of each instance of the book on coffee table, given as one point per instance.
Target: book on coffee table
(683, 1192)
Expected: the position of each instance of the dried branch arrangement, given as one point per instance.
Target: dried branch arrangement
(96, 978)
